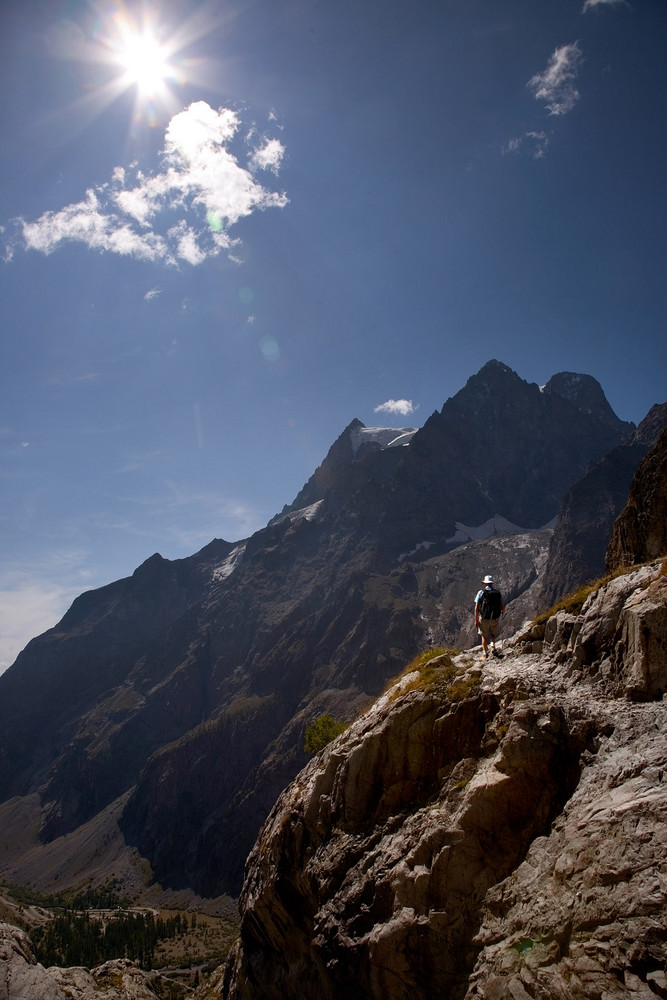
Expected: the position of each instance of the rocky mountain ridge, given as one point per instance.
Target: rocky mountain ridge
(176, 700)
(488, 831)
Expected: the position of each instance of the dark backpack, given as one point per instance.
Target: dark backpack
(490, 604)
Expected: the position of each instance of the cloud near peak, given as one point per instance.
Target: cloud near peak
(403, 407)
(182, 213)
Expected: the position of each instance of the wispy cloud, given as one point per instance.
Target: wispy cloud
(184, 212)
(402, 407)
(589, 4)
(536, 143)
(33, 598)
(152, 293)
(555, 85)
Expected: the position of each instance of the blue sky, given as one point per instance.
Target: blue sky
(287, 214)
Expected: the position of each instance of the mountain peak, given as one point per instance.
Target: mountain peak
(587, 395)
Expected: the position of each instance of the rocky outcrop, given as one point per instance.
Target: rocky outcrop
(23, 978)
(494, 831)
(640, 533)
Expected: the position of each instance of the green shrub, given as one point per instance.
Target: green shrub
(321, 732)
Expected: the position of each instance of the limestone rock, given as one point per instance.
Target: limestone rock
(620, 637)
(21, 978)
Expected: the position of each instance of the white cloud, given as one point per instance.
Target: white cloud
(152, 293)
(555, 85)
(186, 240)
(403, 407)
(269, 156)
(201, 180)
(589, 4)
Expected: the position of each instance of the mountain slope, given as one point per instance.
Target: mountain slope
(189, 685)
(588, 510)
(640, 532)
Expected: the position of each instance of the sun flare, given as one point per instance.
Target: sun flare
(135, 53)
(144, 61)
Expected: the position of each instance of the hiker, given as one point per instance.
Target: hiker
(489, 606)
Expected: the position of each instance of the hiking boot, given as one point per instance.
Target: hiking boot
(496, 653)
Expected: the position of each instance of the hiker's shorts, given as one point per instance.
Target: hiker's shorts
(489, 627)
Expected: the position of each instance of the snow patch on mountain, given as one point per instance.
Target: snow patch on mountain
(302, 514)
(305, 513)
(381, 437)
(417, 548)
(228, 565)
(496, 525)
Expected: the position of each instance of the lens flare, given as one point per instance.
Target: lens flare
(269, 348)
(129, 46)
(144, 61)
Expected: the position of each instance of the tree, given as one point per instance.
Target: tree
(321, 732)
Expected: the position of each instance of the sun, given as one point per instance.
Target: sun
(144, 61)
(133, 50)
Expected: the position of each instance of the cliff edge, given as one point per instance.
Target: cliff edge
(494, 830)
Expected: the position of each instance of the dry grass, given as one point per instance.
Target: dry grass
(435, 671)
(574, 602)
(428, 672)
(463, 687)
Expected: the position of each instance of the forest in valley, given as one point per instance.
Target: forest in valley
(87, 939)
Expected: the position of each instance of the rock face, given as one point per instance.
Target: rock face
(181, 694)
(588, 510)
(640, 533)
(22, 978)
(495, 832)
